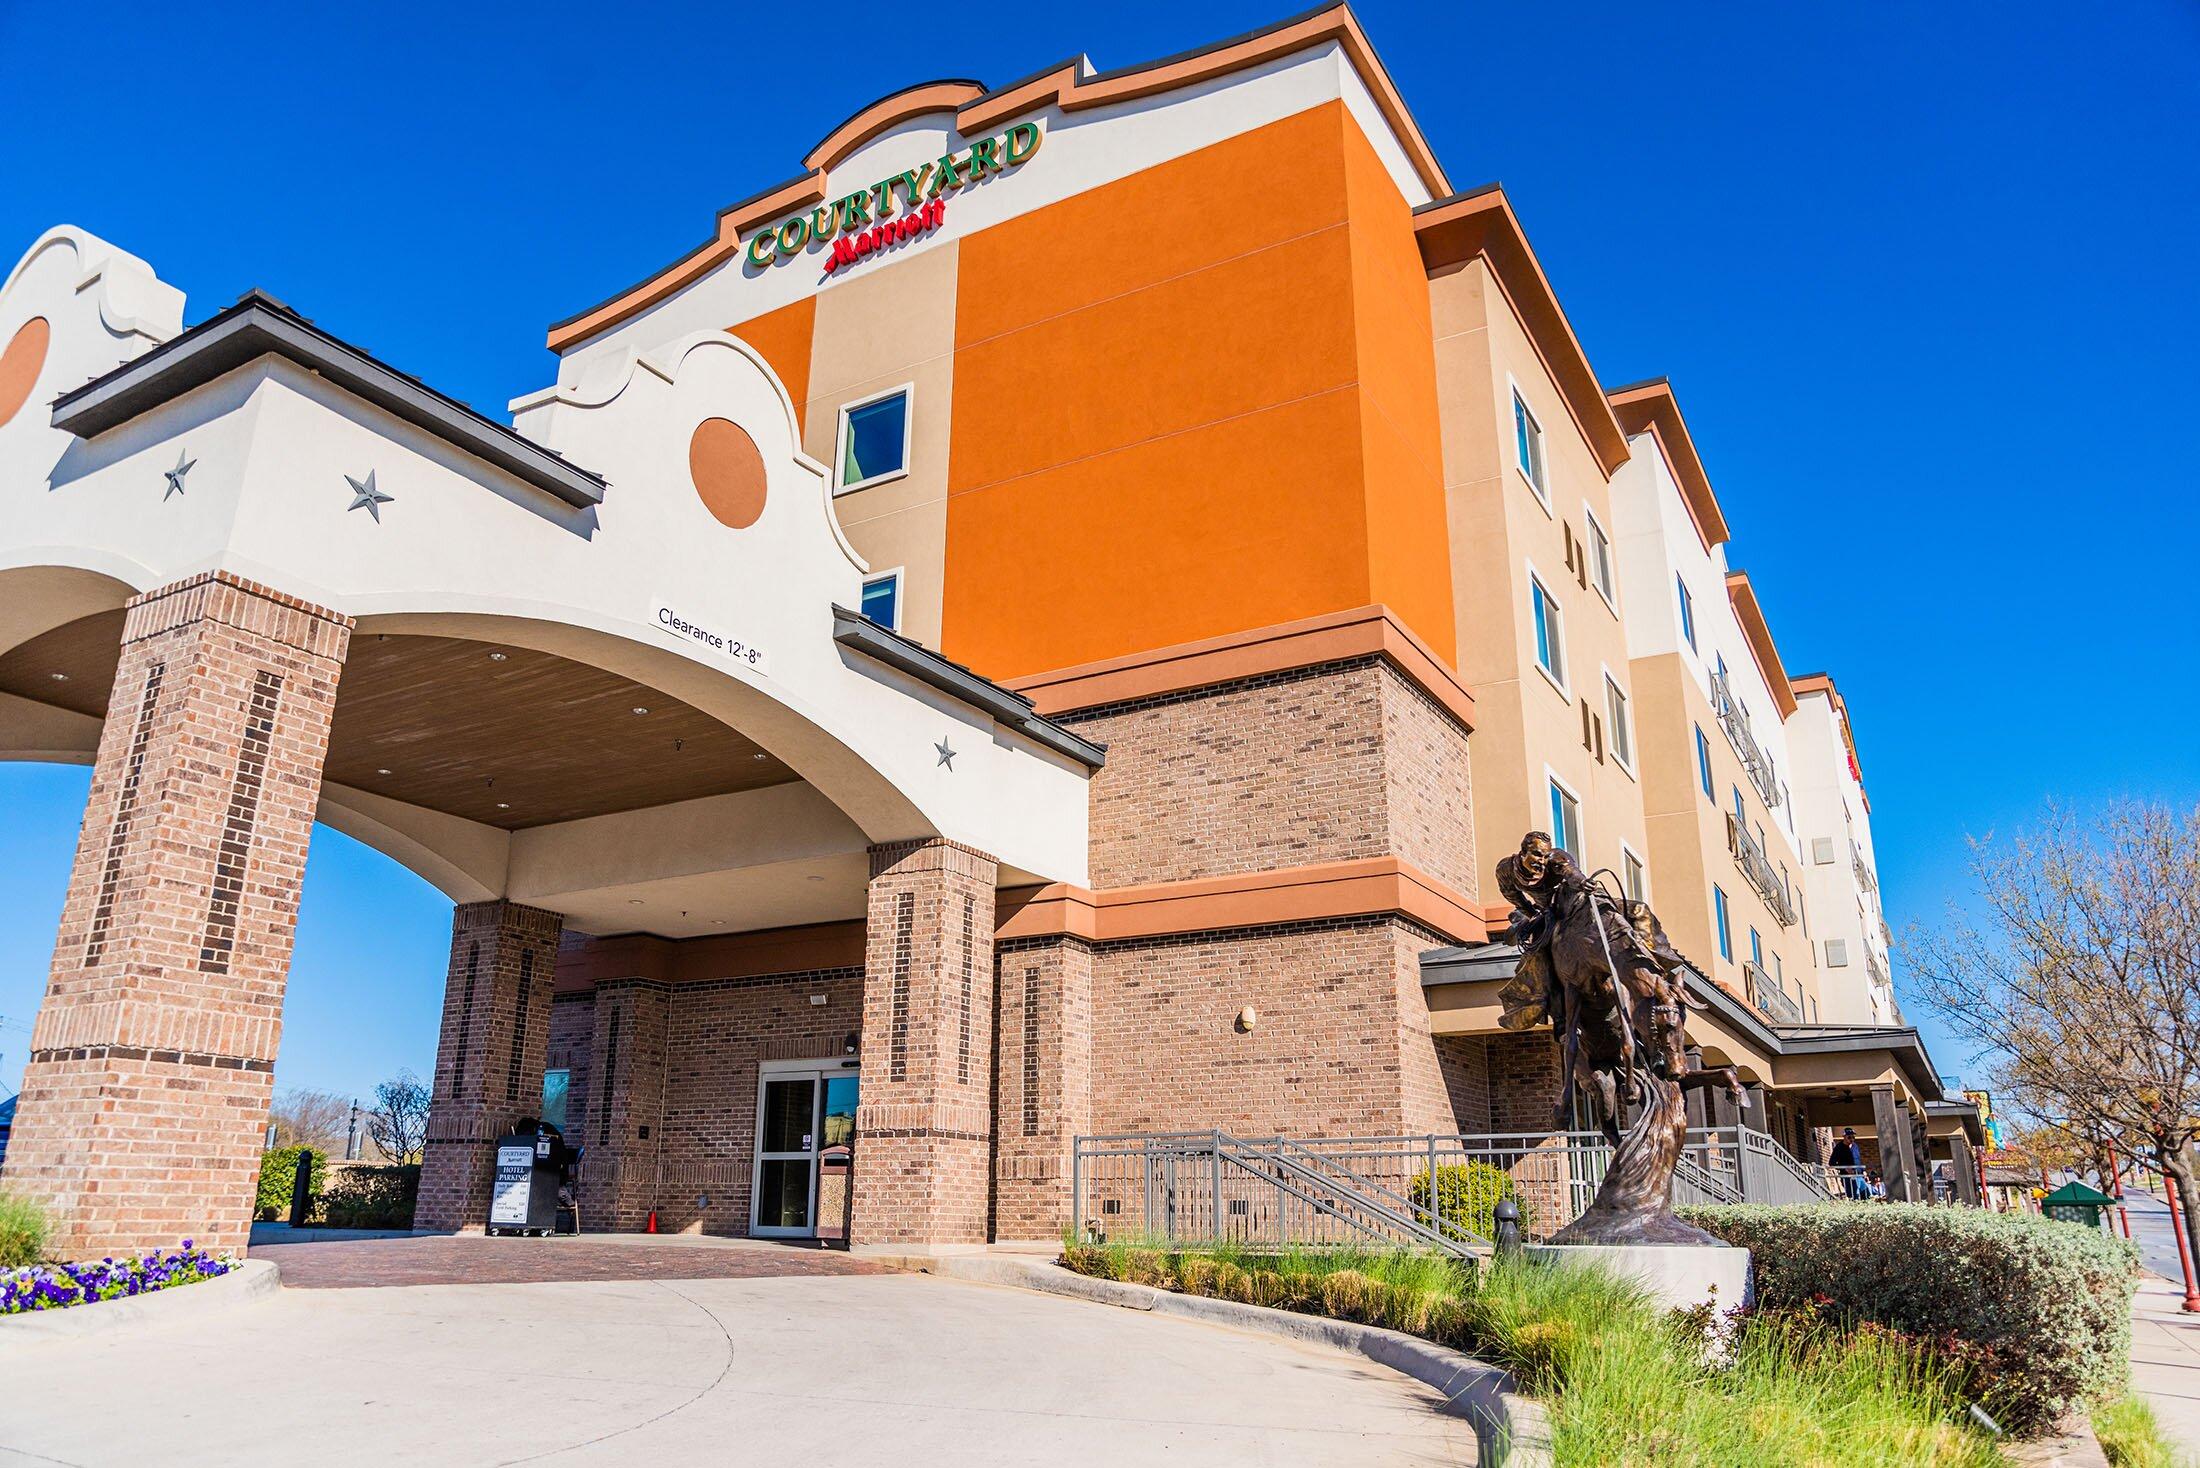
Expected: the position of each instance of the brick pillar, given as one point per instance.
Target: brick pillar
(626, 1105)
(1043, 1087)
(488, 1063)
(924, 1125)
(152, 1061)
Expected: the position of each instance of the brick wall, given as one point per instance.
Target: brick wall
(152, 1057)
(489, 1059)
(1043, 1070)
(1327, 764)
(572, 1039)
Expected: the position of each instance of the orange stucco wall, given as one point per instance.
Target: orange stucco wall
(784, 338)
(1195, 401)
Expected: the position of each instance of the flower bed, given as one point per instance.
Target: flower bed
(58, 1286)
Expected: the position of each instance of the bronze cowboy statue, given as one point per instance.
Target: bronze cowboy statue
(1599, 967)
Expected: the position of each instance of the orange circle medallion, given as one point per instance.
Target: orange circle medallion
(728, 472)
(19, 365)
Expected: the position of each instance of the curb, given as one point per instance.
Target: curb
(255, 1279)
(1511, 1429)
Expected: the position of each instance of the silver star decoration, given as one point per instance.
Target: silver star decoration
(175, 476)
(947, 756)
(367, 497)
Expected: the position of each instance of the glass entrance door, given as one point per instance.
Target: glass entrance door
(786, 1155)
(805, 1143)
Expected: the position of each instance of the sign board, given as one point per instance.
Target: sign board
(737, 650)
(508, 1195)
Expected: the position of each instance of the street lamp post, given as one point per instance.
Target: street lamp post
(2184, 1249)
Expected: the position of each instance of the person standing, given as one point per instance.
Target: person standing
(1848, 1164)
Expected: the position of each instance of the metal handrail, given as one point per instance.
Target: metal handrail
(1771, 995)
(1758, 869)
(1734, 719)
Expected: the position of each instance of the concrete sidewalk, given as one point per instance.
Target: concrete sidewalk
(2165, 1359)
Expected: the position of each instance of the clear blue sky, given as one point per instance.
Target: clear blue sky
(1922, 276)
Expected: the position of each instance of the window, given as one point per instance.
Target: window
(1565, 819)
(1634, 881)
(1756, 949)
(874, 439)
(1528, 447)
(555, 1085)
(1821, 851)
(1617, 717)
(1837, 953)
(1688, 612)
(1550, 631)
(1741, 811)
(1703, 763)
(882, 600)
(1600, 560)
(1718, 912)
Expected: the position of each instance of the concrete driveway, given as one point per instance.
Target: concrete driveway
(907, 1370)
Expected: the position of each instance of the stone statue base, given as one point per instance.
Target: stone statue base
(1677, 1276)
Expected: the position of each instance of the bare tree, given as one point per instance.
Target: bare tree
(2082, 978)
(398, 1124)
(317, 1119)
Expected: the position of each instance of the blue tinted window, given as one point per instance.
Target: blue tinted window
(875, 438)
(1726, 935)
(1703, 762)
(1688, 611)
(882, 599)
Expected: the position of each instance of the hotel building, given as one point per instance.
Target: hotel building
(1041, 625)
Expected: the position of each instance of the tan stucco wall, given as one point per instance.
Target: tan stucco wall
(1497, 528)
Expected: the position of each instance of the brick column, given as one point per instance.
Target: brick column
(924, 1125)
(626, 1105)
(152, 1061)
(488, 1063)
(1043, 1087)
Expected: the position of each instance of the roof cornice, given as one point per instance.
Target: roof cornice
(1751, 614)
(1650, 407)
(1482, 225)
(1071, 85)
(260, 326)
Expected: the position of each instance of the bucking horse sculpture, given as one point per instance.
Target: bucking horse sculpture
(1599, 967)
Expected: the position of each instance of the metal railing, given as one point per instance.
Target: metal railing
(1771, 997)
(1864, 877)
(1734, 719)
(1332, 1192)
(1771, 884)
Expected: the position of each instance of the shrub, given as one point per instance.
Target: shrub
(1146, 1267)
(279, 1174)
(1233, 1283)
(2029, 1316)
(372, 1197)
(1467, 1195)
(1197, 1276)
(23, 1230)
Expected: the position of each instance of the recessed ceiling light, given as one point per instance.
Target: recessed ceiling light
(639, 709)
(813, 877)
(504, 805)
(498, 657)
(380, 771)
(760, 755)
(59, 677)
(634, 902)
(717, 922)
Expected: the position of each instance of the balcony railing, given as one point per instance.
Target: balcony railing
(1771, 996)
(1864, 877)
(1770, 882)
(1735, 720)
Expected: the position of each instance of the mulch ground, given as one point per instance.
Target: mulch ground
(468, 1259)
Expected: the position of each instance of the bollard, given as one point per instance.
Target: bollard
(301, 1191)
(1508, 1227)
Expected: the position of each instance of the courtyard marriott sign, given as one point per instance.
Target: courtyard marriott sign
(900, 208)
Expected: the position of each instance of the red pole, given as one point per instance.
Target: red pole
(2184, 1249)
(2116, 1186)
